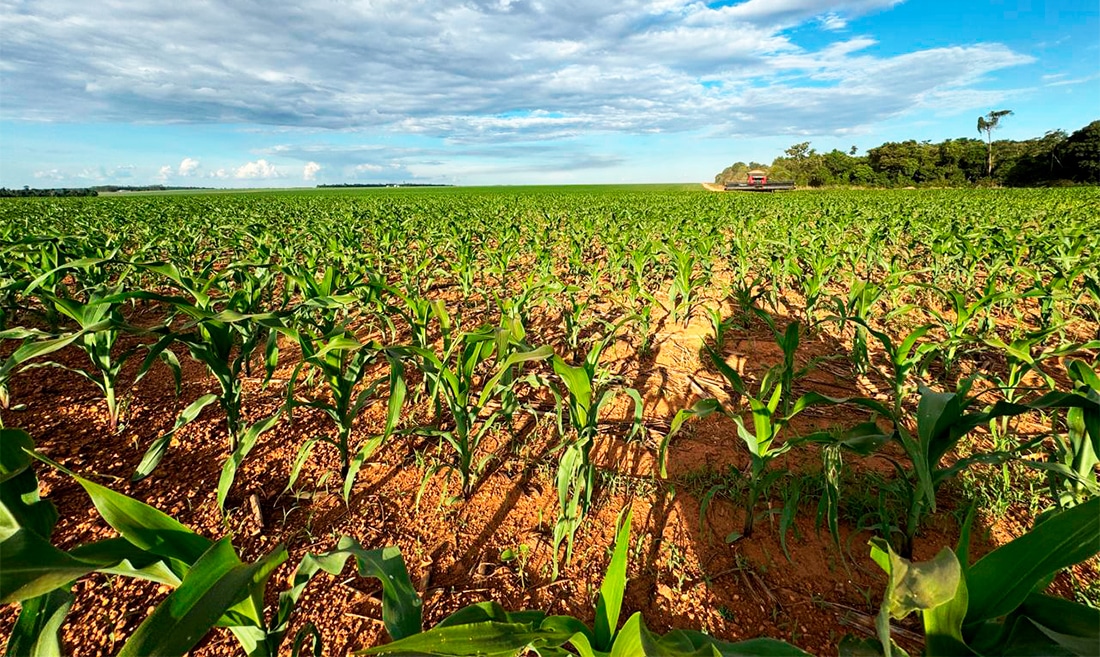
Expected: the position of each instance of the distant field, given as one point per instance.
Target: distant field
(486, 377)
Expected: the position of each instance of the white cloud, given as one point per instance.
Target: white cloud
(1065, 82)
(309, 171)
(833, 22)
(164, 173)
(369, 168)
(187, 167)
(790, 10)
(482, 72)
(259, 169)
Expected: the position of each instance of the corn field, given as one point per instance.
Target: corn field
(784, 422)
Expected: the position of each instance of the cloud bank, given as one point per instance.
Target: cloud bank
(477, 71)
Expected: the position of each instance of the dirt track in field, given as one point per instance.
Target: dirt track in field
(682, 572)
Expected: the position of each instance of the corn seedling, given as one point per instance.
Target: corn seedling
(454, 377)
(100, 324)
(684, 292)
(343, 363)
(35, 344)
(966, 324)
(581, 391)
(862, 296)
(1071, 469)
(768, 422)
(942, 420)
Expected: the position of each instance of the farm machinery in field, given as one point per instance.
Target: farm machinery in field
(757, 181)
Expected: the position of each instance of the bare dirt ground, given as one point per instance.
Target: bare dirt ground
(682, 572)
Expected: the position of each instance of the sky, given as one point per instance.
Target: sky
(254, 93)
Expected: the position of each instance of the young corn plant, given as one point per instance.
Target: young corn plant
(581, 391)
(686, 283)
(331, 295)
(786, 372)
(719, 325)
(642, 269)
(343, 363)
(225, 341)
(645, 324)
(862, 297)
(34, 344)
(817, 268)
(418, 313)
(748, 286)
(1023, 356)
(516, 309)
(748, 292)
(1052, 292)
(464, 265)
(458, 381)
(1072, 466)
(768, 421)
(908, 356)
(942, 420)
(100, 324)
(574, 316)
(211, 586)
(967, 323)
(36, 263)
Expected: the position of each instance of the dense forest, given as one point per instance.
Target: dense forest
(1054, 159)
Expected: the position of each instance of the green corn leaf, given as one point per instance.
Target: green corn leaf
(14, 457)
(145, 527)
(247, 442)
(487, 639)
(33, 350)
(401, 606)
(1001, 580)
(118, 556)
(21, 507)
(37, 630)
(370, 446)
(579, 386)
(217, 581)
(735, 380)
(157, 450)
(913, 586)
(635, 639)
(639, 410)
(303, 455)
(1074, 628)
(249, 612)
(610, 600)
(513, 359)
(33, 567)
(701, 409)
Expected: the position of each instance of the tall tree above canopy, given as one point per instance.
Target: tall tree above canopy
(988, 124)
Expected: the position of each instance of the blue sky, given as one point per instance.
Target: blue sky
(256, 94)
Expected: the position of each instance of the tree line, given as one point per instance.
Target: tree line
(88, 191)
(1054, 159)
